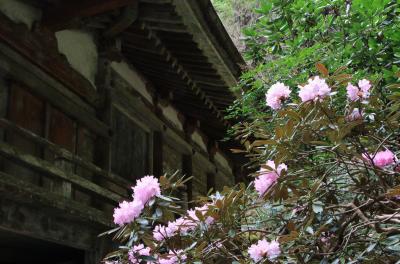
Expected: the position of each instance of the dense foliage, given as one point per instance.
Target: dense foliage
(290, 36)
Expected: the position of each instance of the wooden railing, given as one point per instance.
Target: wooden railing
(11, 185)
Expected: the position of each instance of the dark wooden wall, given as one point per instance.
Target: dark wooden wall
(130, 148)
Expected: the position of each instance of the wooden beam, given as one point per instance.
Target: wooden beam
(15, 189)
(128, 16)
(64, 154)
(61, 15)
(160, 26)
(49, 169)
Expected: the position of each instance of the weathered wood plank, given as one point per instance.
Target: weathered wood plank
(13, 188)
(49, 169)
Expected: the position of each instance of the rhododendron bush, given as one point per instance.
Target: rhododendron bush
(325, 187)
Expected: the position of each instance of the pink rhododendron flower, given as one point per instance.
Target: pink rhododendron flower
(137, 251)
(203, 209)
(381, 158)
(173, 258)
(364, 85)
(182, 225)
(263, 249)
(352, 92)
(315, 89)
(161, 232)
(355, 93)
(185, 225)
(276, 94)
(267, 177)
(146, 188)
(127, 212)
(356, 114)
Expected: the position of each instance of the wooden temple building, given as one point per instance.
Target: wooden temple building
(95, 94)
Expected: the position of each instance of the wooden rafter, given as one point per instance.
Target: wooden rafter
(169, 57)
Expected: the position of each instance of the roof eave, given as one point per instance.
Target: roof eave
(210, 34)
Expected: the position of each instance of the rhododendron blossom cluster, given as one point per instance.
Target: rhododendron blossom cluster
(264, 249)
(127, 212)
(355, 93)
(183, 224)
(276, 94)
(145, 189)
(315, 89)
(381, 159)
(356, 114)
(268, 177)
(136, 252)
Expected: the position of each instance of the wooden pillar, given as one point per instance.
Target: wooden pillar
(104, 113)
(102, 155)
